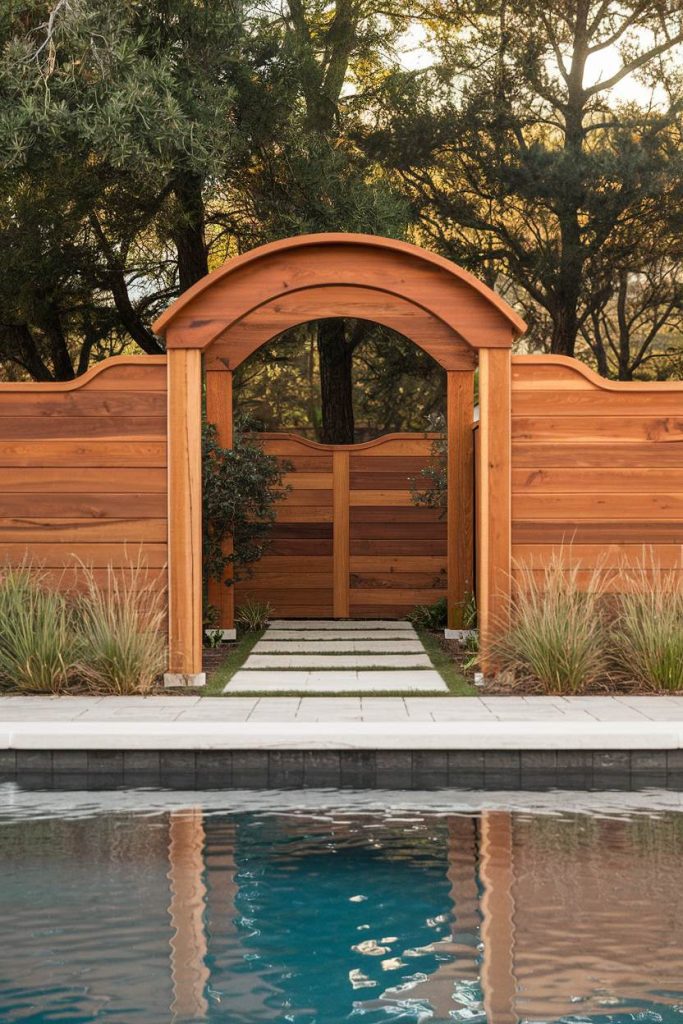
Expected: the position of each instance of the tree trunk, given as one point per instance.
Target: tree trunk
(188, 232)
(336, 383)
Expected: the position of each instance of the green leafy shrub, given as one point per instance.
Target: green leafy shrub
(647, 634)
(430, 616)
(241, 486)
(38, 642)
(253, 615)
(556, 634)
(123, 645)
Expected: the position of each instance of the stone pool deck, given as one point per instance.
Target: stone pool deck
(355, 742)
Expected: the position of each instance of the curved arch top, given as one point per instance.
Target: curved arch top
(385, 267)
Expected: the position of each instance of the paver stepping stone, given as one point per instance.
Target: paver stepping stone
(327, 657)
(398, 661)
(339, 647)
(341, 624)
(327, 635)
(417, 681)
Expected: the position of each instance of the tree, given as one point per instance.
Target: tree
(520, 158)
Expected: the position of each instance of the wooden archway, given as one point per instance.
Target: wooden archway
(241, 305)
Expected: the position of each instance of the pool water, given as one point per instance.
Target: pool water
(320, 915)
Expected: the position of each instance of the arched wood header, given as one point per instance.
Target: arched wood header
(234, 310)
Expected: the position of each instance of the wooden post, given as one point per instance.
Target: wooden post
(340, 543)
(497, 928)
(219, 412)
(494, 511)
(189, 972)
(185, 518)
(460, 413)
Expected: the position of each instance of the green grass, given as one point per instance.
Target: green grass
(223, 674)
(457, 685)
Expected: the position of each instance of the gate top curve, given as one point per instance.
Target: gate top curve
(308, 271)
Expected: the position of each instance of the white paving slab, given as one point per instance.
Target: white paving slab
(419, 681)
(339, 647)
(288, 661)
(323, 636)
(355, 624)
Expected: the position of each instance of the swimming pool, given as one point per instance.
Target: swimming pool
(126, 911)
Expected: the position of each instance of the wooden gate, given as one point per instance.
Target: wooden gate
(349, 541)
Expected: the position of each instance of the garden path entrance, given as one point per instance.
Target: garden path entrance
(323, 656)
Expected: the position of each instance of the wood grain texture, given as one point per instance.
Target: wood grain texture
(460, 512)
(221, 593)
(351, 526)
(597, 467)
(185, 510)
(83, 470)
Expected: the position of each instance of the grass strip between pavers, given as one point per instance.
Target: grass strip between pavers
(457, 685)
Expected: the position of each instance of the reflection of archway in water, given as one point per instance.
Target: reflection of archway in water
(330, 923)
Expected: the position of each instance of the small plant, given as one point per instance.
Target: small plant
(253, 615)
(430, 616)
(647, 634)
(38, 643)
(556, 635)
(123, 648)
(213, 638)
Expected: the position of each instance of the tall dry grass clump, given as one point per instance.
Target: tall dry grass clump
(123, 647)
(39, 646)
(556, 635)
(647, 633)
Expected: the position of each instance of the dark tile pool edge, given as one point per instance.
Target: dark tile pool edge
(494, 770)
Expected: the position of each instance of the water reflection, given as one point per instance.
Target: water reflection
(187, 917)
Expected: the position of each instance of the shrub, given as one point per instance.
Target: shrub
(430, 616)
(38, 643)
(123, 647)
(556, 634)
(253, 615)
(647, 634)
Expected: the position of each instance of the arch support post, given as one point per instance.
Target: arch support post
(185, 518)
(460, 476)
(219, 412)
(494, 511)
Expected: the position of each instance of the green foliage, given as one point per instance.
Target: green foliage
(556, 635)
(39, 646)
(253, 615)
(121, 628)
(213, 638)
(430, 616)
(241, 486)
(646, 638)
(430, 489)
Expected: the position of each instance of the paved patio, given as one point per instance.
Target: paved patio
(455, 723)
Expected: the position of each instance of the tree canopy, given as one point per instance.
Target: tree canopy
(537, 144)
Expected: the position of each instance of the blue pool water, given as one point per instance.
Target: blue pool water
(321, 915)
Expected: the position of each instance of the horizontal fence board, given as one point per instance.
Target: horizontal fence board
(74, 530)
(82, 427)
(304, 513)
(612, 581)
(396, 547)
(406, 599)
(596, 481)
(98, 506)
(404, 531)
(398, 580)
(596, 455)
(586, 505)
(290, 565)
(57, 554)
(589, 556)
(598, 403)
(278, 580)
(377, 497)
(581, 429)
(97, 453)
(301, 549)
(308, 481)
(83, 403)
(81, 479)
(313, 498)
(397, 564)
(76, 580)
(598, 532)
(398, 514)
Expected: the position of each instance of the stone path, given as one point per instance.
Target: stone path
(338, 657)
